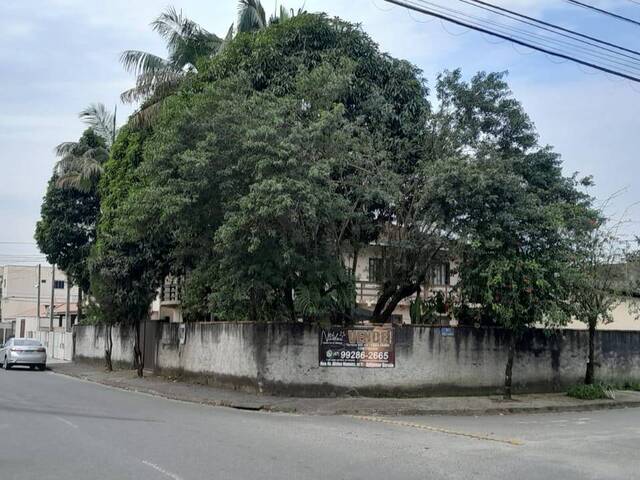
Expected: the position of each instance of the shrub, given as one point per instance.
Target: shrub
(591, 392)
(630, 385)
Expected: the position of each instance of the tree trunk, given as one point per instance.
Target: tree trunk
(590, 376)
(288, 298)
(138, 359)
(508, 372)
(108, 349)
(79, 315)
(354, 264)
(380, 304)
(392, 302)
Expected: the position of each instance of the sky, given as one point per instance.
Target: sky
(58, 56)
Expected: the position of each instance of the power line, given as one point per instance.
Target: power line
(406, 4)
(541, 41)
(553, 26)
(603, 11)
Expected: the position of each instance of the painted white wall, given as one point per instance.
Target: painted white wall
(624, 318)
(20, 292)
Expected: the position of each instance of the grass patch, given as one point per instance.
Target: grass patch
(630, 385)
(597, 391)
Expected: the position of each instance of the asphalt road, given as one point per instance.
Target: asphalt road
(55, 427)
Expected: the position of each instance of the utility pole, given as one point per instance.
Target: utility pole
(67, 317)
(53, 297)
(38, 287)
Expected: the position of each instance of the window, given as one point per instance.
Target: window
(376, 267)
(440, 274)
(26, 343)
(58, 284)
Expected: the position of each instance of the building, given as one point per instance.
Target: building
(369, 274)
(19, 300)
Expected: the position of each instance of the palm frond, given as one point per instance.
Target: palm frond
(138, 62)
(230, 32)
(102, 121)
(146, 114)
(173, 26)
(251, 16)
(65, 148)
(149, 84)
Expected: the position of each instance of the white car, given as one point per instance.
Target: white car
(23, 351)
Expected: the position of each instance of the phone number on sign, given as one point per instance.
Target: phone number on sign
(356, 355)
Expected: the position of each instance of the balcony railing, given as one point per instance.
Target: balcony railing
(368, 292)
(170, 293)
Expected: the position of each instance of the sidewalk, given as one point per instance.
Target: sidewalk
(487, 405)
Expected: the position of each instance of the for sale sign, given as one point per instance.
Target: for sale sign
(371, 347)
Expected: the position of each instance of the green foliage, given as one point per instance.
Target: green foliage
(257, 185)
(67, 228)
(127, 263)
(299, 141)
(596, 391)
(633, 385)
(80, 164)
(432, 309)
(514, 211)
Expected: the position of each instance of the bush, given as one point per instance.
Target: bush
(630, 385)
(591, 392)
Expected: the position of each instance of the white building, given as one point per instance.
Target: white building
(19, 298)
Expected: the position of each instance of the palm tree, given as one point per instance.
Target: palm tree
(80, 163)
(158, 77)
(252, 16)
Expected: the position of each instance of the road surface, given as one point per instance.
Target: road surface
(56, 427)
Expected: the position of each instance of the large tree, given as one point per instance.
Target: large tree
(70, 209)
(126, 262)
(311, 93)
(605, 276)
(518, 218)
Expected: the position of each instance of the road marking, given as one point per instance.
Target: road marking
(421, 426)
(64, 420)
(161, 470)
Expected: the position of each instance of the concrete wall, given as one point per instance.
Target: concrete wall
(90, 344)
(59, 344)
(283, 359)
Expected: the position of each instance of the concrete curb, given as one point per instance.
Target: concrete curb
(286, 405)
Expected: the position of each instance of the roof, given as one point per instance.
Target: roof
(59, 309)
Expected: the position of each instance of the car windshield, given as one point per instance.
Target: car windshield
(27, 343)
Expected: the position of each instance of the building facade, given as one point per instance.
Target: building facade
(19, 300)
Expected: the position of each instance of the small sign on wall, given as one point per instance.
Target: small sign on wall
(368, 347)
(447, 332)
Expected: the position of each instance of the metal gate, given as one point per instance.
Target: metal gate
(150, 332)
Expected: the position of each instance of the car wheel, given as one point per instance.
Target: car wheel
(6, 365)
(32, 367)
(42, 367)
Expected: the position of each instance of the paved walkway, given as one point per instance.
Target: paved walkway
(481, 405)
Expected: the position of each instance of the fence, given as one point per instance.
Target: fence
(284, 358)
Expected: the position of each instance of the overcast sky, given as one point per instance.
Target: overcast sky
(58, 56)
